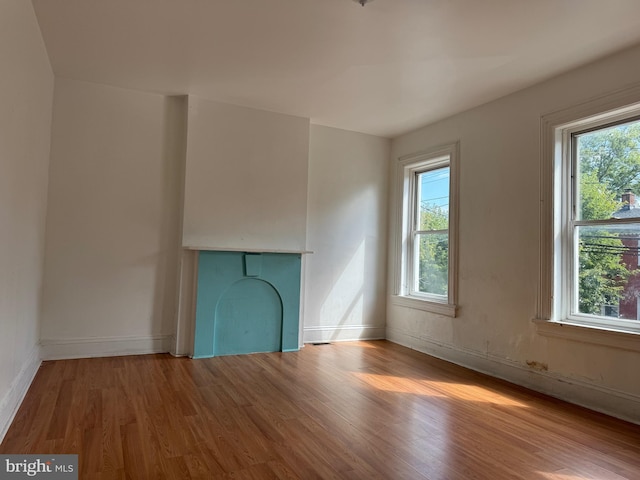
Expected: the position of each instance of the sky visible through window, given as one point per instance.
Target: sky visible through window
(432, 241)
(434, 189)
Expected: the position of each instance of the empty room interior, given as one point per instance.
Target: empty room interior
(321, 238)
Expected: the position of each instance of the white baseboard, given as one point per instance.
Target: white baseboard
(595, 397)
(343, 333)
(62, 349)
(17, 391)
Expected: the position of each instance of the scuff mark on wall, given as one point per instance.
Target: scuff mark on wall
(543, 367)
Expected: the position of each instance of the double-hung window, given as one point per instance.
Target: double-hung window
(426, 247)
(429, 238)
(590, 274)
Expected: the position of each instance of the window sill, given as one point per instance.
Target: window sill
(626, 340)
(446, 309)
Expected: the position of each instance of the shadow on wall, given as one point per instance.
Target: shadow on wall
(165, 302)
(345, 301)
(352, 305)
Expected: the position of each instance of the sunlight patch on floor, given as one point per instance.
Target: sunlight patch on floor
(390, 383)
(561, 476)
(459, 391)
(474, 393)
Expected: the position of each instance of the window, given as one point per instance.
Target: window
(427, 218)
(603, 224)
(429, 239)
(590, 230)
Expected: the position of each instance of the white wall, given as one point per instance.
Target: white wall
(345, 277)
(499, 253)
(246, 178)
(26, 95)
(113, 224)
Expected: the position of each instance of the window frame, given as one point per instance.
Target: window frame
(568, 241)
(407, 169)
(553, 310)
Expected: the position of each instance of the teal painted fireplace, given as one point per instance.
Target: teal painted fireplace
(246, 303)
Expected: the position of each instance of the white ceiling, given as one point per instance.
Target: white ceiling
(384, 69)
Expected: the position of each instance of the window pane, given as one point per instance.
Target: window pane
(433, 199)
(608, 276)
(432, 259)
(608, 171)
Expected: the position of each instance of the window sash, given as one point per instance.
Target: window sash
(414, 280)
(413, 260)
(417, 191)
(570, 309)
(574, 289)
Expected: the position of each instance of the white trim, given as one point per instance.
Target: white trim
(554, 127)
(17, 390)
(247, 250)
(343, 333)
(623, 101)
(446, 309)
(590, 334)
(60, 349)
(403, 197)
(595, 397)
(303, 299)
(187, 302)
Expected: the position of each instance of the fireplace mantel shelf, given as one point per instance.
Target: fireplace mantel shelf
(247, 250)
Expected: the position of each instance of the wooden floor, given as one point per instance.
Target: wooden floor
(349, 410)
